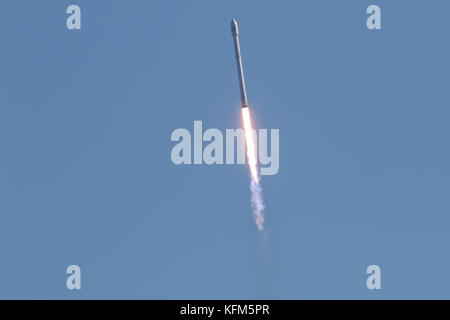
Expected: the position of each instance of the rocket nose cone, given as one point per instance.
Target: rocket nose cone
(234, 27)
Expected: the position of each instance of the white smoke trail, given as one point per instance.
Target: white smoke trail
(257, 204)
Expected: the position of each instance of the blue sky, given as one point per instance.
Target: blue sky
(85, 170)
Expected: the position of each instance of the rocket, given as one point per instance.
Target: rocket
(256, 200)
(237, 50)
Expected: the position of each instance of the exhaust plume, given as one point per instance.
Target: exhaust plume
(257, 203)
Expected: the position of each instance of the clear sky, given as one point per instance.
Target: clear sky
(85, 170)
